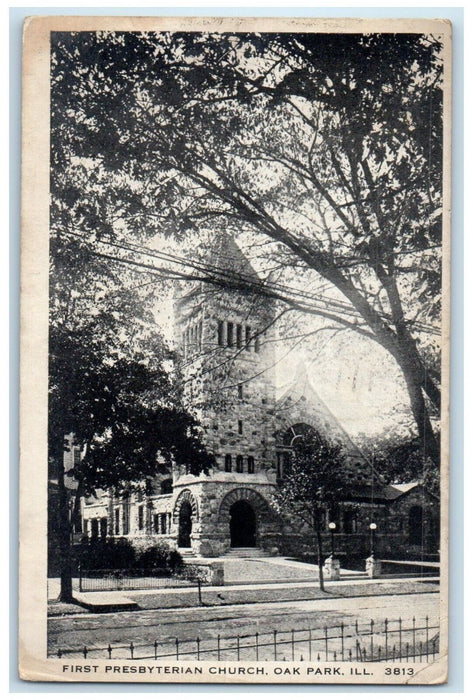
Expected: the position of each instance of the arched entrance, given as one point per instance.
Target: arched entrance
(242, 525)
(416, 525)
(185, 525)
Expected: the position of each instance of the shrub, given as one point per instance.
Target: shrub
(107, 554)
(154, 557)
(175, 561)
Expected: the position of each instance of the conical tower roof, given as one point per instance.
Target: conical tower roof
(225, 255)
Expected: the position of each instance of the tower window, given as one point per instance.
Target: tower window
(240, 427)
(228, 463)
(239, 464)
(240, 391)
(251, 465)
(257, 344)
(247, 337)
(230, 334)
(220, 333)
(238, 336)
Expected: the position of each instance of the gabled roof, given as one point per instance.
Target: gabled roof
(404, 488)
(299, 402)
(379, 493)
(300, 388)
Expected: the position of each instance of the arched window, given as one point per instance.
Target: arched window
(239, 464)
(228, 463)
(297, 432)
(283, 462)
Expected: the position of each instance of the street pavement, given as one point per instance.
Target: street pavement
(145, 627)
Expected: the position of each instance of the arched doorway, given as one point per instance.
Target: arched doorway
(242, 525)
(416, 525)
(185, 525)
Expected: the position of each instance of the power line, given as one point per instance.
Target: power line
(224, 276)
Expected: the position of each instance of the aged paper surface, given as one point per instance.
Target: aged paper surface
(234, 337)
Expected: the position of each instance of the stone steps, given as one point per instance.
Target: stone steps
(187, 553)
(246, 553)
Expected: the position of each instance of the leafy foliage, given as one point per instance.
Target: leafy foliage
(313, 483)
(326, 147)
(159, 556)
(106, 554)
(122, 409)
(402, 461)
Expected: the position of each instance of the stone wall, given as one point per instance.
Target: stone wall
(230, 389)
(213, 497)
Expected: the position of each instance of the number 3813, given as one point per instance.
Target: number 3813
(398, 671)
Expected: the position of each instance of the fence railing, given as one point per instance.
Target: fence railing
(391, 640)
(136, 579)
(119, 580)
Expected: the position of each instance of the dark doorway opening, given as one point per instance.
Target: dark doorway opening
(185, 525)
(415, 525)
(242, 525)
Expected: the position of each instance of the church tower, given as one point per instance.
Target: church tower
(226, 341)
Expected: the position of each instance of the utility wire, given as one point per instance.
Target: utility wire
(237, 278)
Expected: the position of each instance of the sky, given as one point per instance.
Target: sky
(356, 378)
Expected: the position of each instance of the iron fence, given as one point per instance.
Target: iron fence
(132, 579)
(389, 641)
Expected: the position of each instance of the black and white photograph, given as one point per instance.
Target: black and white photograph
(235, 350)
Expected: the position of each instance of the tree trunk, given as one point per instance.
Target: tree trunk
(64, 535)
(429, 443)
(320, 559)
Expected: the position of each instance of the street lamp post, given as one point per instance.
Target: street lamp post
(332, 565)
(332, 527)
(373, 527)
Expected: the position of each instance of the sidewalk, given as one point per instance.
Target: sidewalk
(217, 596)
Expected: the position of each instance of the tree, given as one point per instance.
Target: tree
(123, 412)
(328, 148)
(313, 483)
(401, 460)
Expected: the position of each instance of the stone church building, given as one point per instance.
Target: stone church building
(227, 346)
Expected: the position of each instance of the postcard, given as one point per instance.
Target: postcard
(235, 350)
